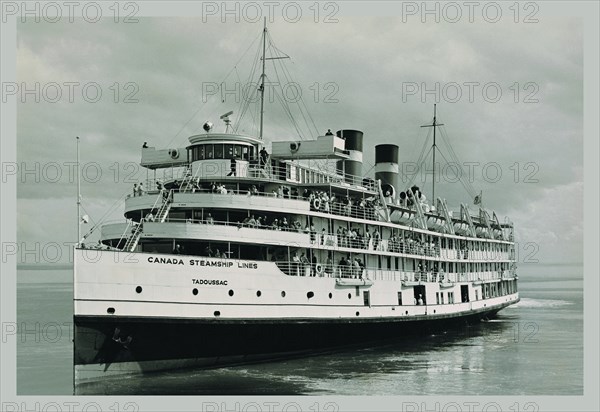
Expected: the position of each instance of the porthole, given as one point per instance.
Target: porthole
(406, 313)
(310, 295)
(258, 293)
(283, 293)
(230, 292)
(357, 313)
(138, 289)
(349, 295)
(330, 295)
(434, 311)
(194, 291)
(110, 311)
(217, 313)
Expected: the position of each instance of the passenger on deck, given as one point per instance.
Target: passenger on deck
(339, 234)
(305, 264)
(376, 239)
(233, 167)
(177, 250)
(329, 133)
(343, 267)
(134, 189)
(420, 300)
(356, 267)
(329, 267)
(295, 264)
(264, 155)
(313, 234)
(149, 217)
(209, 219)
(145, 145)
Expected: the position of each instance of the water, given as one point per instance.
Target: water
(542, 333)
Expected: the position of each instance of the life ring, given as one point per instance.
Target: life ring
(319, 269)
(174, 153)
(317, 203)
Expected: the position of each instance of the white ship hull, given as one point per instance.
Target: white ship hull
(139, 312)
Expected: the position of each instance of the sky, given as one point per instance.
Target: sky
(524, 146)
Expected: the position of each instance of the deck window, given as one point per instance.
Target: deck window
(218, 151)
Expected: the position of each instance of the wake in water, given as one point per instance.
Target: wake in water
(540, 303)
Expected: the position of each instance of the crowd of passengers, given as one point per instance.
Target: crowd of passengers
(301, 265)
(319, 200)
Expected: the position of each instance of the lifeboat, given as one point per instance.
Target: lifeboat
(401, 216)
(461, 228)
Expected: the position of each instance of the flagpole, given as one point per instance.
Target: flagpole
(78, 198)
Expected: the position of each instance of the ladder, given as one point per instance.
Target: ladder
(188, 179)
(161, 216)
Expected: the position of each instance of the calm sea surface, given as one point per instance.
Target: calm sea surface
(532, 348)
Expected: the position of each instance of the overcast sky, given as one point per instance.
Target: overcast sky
(375, 64)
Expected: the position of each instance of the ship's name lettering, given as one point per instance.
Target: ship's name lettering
(223, 264)
(202, 262)
(166, 261)
(209, 282)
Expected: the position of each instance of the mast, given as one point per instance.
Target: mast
(434, 125)
(262, 77)
(78, 197)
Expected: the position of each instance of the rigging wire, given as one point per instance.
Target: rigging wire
(202, 105)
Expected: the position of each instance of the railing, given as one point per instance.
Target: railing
(351, 270)
(289, 173)
(358, 243)
(354, 207)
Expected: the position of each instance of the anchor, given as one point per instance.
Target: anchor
(125, 343)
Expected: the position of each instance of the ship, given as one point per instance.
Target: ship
(231, 253)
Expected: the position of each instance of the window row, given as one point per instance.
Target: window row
(222, 151)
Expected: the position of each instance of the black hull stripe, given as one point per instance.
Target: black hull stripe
(104, 342)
